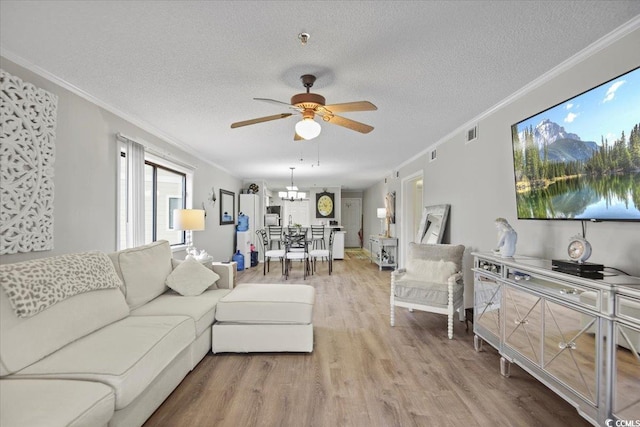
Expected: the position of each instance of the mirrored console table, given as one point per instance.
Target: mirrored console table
(556, 327)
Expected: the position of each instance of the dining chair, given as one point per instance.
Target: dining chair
(275, 235)
(314, 254)
(269, 253)
(296, 248)
(317, 237)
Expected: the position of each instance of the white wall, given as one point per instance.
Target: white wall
(477, 178)
(85, 178)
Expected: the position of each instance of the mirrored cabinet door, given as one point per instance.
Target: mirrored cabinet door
(487, 304)
(626, 386)
(570, 344)
(523, 323)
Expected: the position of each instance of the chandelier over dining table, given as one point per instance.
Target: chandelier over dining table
(292, 194)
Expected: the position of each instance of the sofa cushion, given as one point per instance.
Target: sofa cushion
(191, 278)
(144, 271)
(201, 308)
(127, 355)
(55, 403)
(418, 291)
(436, 293)
(35, 285)
(25, 341)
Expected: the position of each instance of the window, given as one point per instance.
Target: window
(165, 189)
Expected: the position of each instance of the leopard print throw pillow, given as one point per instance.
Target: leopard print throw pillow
(35, 285)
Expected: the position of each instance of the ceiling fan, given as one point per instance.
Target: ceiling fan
(310, 105)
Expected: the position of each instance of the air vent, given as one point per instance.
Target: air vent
(472, 134)
(433, 155)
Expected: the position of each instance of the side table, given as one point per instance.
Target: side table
(228, 272)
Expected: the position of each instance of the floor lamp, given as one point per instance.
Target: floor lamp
(188, 220)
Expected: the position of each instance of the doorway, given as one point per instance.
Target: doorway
(351, 214)
(412, 201)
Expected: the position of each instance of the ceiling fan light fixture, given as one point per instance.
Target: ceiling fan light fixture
(308, 128)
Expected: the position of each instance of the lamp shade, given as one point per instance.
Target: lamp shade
(188, 219)
(382, 213)
(308, 128)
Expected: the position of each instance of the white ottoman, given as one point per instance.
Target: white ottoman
(257, 317)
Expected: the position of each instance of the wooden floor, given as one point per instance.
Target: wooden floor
(362, 372)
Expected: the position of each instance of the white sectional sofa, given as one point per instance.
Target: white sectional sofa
(111, 341)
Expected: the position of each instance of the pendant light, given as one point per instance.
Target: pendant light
(292, 194)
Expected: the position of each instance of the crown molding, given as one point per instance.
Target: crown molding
(595, 47)
(145, 126)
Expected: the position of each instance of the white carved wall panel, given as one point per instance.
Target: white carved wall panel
(27, 154)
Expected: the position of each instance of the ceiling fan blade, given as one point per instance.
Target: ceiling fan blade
(351, 106)
(273, 101)
(260, 120)
(297, 137)
(348, 123)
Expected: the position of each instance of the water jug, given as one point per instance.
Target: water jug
(239, 258)
(243, 222)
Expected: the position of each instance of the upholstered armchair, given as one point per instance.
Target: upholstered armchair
(431, 281)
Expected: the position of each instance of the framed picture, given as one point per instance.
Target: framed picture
(227, 207)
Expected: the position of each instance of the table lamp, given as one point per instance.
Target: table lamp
(188, 220)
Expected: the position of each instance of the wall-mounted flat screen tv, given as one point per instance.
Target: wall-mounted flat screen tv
(580, 159)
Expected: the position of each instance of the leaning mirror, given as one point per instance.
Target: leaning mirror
(227, 207)
(432, 224)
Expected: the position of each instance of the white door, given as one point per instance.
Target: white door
(351, 214)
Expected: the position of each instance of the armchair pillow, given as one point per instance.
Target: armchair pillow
(191, 278)
(452, 253)
(429, 270)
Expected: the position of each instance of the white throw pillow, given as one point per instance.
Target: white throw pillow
(191, 278)
(429, 271)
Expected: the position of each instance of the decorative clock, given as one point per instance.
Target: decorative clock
(325, 205)
(579, 249)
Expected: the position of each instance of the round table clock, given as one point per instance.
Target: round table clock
(325, 205)
(579, 249)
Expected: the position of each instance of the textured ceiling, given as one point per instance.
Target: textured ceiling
(189, 69)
